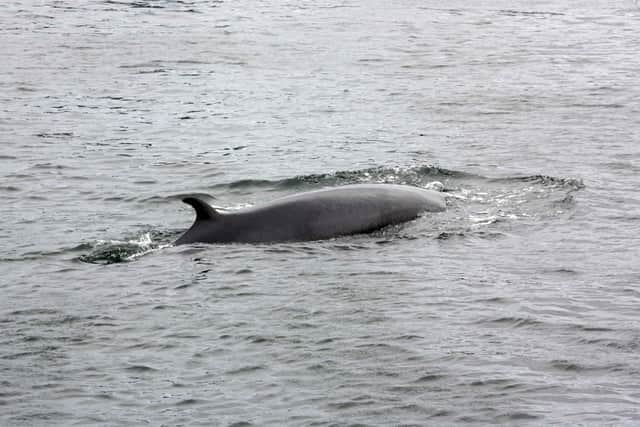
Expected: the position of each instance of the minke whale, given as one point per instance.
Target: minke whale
(312, 215)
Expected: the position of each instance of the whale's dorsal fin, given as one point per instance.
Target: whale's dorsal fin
(204, 212)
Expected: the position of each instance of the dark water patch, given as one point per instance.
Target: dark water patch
(140, 368)
(78, 178)
(244, 370)
(495, 300)
(103, 396)
(34, 312)
(301, 325)
(46, 386)
(427, 378)
(39, 255)
(56, 135)
(569, 366)
(610, 343)
(592, 328)
(490, 382)
(489, 234)
(9, 188)
(357, 401)
(145, 181)
(543, 14)
(190, 402)
(348, 247)
(160, 66)
(441, 413)
(259, 339)
(409, 337)
(517, 416)
(248, 183)
(21, 176)
(50, 166)
(565, 365)
(135, 4)
(26, 88)
(153, 71)
(447, 235)
(515, 322)
(590, 106)
(622, 166)
(49, 352)
(279, 249)
(470, 233)
(36, 418)
(182, 335)
(562, 271)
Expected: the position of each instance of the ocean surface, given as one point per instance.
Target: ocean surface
(518, 305)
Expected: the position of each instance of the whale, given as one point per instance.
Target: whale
(312, 215)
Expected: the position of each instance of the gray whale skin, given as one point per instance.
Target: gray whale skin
(313, 215)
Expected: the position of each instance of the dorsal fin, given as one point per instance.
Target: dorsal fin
(204, 212)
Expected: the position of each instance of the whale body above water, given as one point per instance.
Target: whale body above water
(313, 215)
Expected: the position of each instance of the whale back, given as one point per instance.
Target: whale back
(327, 213)
(313, 215)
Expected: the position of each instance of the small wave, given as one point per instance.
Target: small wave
(420, 176)
(565, 365)
(516, 322)
(33, 311)
(245, 369)
(459, 185)
(545, 180)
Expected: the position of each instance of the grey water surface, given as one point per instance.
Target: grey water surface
(518, 305)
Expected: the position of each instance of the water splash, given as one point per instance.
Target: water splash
(118, 251)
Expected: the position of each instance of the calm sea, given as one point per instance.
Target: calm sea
(518, 305)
